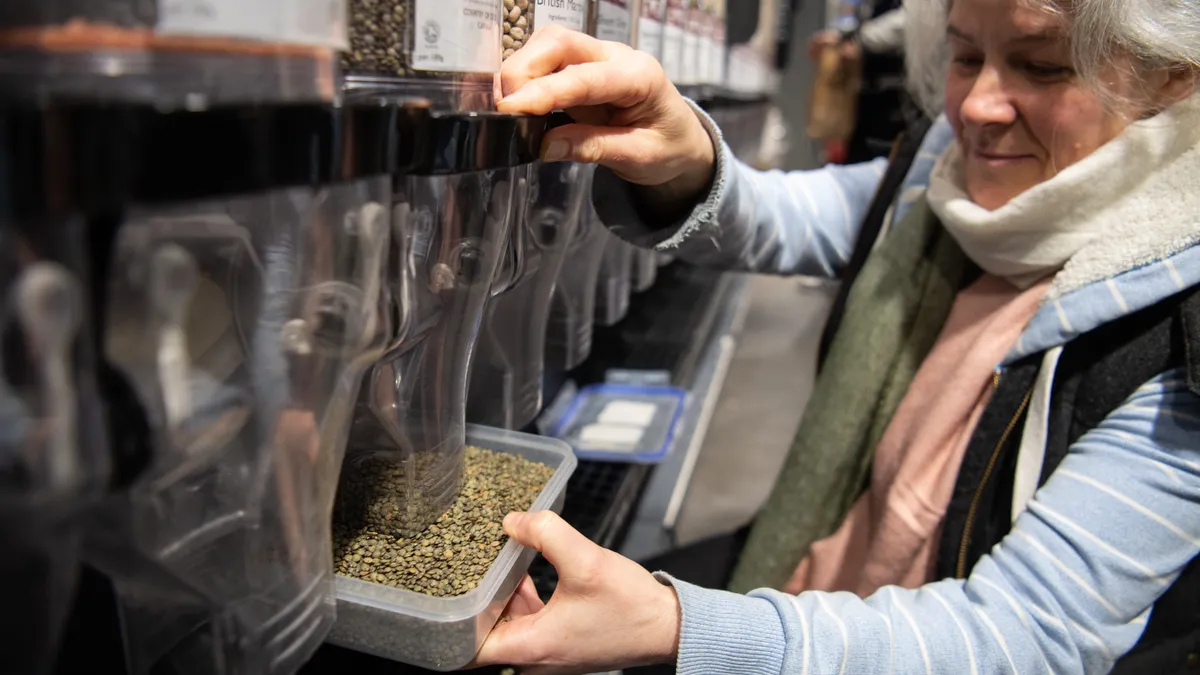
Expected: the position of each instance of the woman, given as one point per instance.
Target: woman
(1029, 323)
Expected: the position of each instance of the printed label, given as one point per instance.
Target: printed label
(456, 36)
(318, 23)
(568, 13)
(612, 21)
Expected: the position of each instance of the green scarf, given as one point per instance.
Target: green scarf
(893, 316)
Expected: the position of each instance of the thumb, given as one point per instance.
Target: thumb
(626, 150)
(564, 547)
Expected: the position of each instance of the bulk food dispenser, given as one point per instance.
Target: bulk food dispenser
(236, 255)
(54, 461)
(506, 386)
(452, 217)
(506, 383)
(161, 51)
(573, 309)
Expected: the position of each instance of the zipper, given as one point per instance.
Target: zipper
(972, 512)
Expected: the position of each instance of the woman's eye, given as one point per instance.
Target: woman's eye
(972, 62)
(1047, 71)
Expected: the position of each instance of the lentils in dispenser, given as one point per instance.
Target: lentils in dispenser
(517, 26)
(424, 39)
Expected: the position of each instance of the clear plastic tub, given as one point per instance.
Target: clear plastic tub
(444, 634)
(506, 382)
(573, 311)
(53, 446)
(171, 53)
(615, 282)
(645, 269)
(450, 234)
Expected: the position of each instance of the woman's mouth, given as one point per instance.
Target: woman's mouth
(992, 158)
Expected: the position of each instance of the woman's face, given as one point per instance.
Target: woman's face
(1019, 111)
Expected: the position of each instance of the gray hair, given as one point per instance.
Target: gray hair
(1158, 33)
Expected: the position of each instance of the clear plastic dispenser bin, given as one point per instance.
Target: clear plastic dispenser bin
(53, 450)
(438, 633)
(451, 219)
(573, 310)
(615, 282)
(170, 52)
(506, 380)
(645, 269)
(239, 252)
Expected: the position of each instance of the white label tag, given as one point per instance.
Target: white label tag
(612, 21)
(567, 13)
(457, 36)
(318, 23)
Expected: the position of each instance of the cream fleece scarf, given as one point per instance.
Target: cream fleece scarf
(1131, 202)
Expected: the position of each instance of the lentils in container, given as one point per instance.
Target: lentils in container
(430, 600)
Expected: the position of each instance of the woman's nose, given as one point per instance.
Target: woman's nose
(988, 101)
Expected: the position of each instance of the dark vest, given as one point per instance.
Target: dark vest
(1097, 372)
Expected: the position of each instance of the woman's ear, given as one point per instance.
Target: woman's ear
(1175, 84)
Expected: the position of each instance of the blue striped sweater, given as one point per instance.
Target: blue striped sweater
(1070, 589)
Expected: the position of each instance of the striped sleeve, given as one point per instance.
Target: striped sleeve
(800, 222)
(1068, 591)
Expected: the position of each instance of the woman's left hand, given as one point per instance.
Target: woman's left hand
(607, 612)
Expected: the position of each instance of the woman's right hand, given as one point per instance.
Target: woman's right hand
(628, 116)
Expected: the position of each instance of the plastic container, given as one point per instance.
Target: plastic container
(413, 404)
(447, 50)
(717, 51)
(167, 52)
(444, 634)
(506, 382)
(238, 302)
(674, 31)
(645, 269)
(615, 282)
(649, 19)
(573, 311)
(622, 423)
(694, 34)
(614, 21)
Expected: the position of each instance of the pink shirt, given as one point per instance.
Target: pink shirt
(890, 535)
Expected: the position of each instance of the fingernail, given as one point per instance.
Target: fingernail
(512, 520)
(556, 151)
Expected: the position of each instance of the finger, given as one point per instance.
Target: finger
(630, 151)
(620, 82)
(525, 600)
(549, 50)
(563, 546)
(511, 642)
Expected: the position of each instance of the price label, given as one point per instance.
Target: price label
(457, 36)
